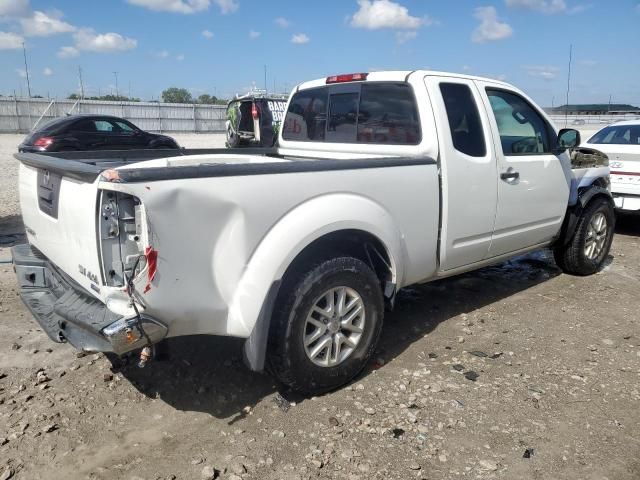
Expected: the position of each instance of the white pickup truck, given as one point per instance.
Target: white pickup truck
(379, 181)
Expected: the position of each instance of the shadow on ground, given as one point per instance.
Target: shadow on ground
(206, 374)
(628, 224)
(11, 230)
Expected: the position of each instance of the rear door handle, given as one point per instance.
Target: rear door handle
(510, 175)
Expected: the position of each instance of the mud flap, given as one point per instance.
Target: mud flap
(255, 347)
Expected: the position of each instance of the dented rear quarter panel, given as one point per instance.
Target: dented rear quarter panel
(223, 241)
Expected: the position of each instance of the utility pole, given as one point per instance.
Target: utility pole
(26, 69)
(115, 74)
(81, 84)
(566, 108)
(609, 109)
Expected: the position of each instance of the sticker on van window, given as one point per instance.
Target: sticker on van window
(277, 110)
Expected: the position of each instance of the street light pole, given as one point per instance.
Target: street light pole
(26, 69)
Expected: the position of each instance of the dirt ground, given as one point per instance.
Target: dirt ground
(557, 393)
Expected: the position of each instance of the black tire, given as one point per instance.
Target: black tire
(286, 357)
(572, 258)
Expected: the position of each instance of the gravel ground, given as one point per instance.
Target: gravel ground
(511, 372)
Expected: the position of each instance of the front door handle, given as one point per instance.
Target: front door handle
(510, 175)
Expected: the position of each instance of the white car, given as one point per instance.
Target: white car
(621, 143)
(380, 181)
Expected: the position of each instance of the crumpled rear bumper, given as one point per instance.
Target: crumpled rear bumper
(67, 313)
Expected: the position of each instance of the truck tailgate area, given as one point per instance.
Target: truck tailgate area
(59, 214)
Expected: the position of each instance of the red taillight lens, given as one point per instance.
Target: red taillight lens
(254, 111)
(43, 142)
(349, 77)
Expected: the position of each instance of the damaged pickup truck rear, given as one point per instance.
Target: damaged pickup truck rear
(379, 181)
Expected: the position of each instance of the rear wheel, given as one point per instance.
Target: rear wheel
(591, 242)
(326, 325)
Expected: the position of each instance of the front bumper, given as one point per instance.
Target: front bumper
(67, 313)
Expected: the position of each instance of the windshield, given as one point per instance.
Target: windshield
(618, 135)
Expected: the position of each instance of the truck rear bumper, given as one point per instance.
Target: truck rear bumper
(66, 313)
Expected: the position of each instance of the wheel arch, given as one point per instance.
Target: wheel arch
(340, 224)
(586, 195)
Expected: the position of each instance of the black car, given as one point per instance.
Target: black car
(92, 132)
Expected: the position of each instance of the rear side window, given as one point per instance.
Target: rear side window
(306, 119)
(464, 119)
(377, 113)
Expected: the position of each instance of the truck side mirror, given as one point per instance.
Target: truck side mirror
(568, 138)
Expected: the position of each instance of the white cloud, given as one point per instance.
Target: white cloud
(207, 34)
(300, 38)
(10, 41)
(227, 6)
(88, 39)
(162, 54)
(375, 14)
(548, 7)
(175, 6)
(47, 72)
(68, 52)
(466, 68)
(546, 72)
(282, 22)
(180, 57)
(41, 24)
(490, 28)
(14, 8)
(21, 73)
(403, 37)
(253, 34)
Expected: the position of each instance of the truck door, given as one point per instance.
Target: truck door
(468, 171)
(533, 191)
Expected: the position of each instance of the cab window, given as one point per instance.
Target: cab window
(464, 119)
(380, 113)
(523, 131)
(306, 118)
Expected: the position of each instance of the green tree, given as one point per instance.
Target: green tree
(176, 95)
(207, 99)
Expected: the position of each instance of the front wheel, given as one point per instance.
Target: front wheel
(326, 325)
(591, 242)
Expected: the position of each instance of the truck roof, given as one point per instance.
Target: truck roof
(400, 76)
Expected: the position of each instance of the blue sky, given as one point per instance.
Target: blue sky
(220, 46)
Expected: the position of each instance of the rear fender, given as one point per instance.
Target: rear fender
(253, 297)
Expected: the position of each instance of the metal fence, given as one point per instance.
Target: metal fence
(20, 115)
(594, 121)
